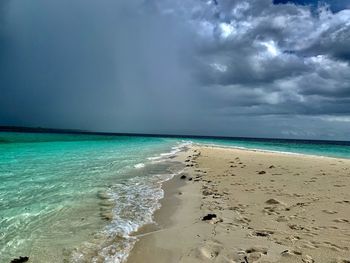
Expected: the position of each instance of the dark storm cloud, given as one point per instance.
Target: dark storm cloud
(333, 41)
(92, 64)
(253, 51)
(205, 67)
(335, 5)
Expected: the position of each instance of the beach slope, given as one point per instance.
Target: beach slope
(235, 205)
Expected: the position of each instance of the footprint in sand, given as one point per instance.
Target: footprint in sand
(268, 210)
(339, 185)
(290, 253)
(214, 251)
(293, 239)
(309, 245)
(296, 227)
(255, 249)
(275, 207)
(334, 246)
(341, 220)
(331, 212)
(263, 233)
(343, 202)
(307, 259)
(255, 253)
(250, 255)
(273, 201)
(208, 251)
(282, 219)
(340, 260)
(242, 220)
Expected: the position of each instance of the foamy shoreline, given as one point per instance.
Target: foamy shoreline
(268, 207)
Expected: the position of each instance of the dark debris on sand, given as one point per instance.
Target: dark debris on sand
(208, 217)
(20, 260)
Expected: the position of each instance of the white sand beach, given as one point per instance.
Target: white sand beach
(245, 206)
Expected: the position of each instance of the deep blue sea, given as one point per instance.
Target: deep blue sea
(76, 198)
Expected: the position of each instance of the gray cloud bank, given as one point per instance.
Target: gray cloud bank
(225, 67)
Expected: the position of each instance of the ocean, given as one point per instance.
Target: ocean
(78, 197)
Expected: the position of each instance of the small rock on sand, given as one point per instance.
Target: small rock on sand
(20, 260)
(208, 217)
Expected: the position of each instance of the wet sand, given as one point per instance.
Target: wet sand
(246, 206)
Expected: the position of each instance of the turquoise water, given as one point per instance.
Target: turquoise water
(58, 194)
(76, 198)
(318, 148)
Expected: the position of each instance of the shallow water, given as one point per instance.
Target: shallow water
(69, 198)
(338, 149)
(76, 198)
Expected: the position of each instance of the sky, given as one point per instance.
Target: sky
(334, 5)
(251, 68)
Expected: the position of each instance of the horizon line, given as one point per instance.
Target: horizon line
(28, 129)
